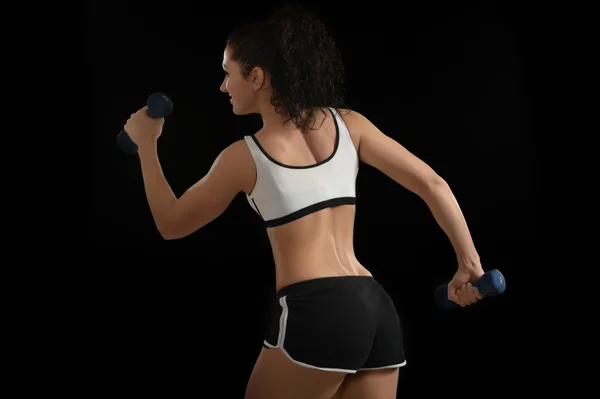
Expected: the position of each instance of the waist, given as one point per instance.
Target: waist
(326, 283)
(305, 268)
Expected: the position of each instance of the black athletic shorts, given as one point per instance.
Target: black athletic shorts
(341, 324)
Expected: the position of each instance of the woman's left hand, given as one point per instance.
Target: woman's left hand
(461, 289)
(142, 129)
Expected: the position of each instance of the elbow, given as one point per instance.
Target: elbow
(169, 236)
(433, 187)
(172, 234)
(177, 229)
(180, 226)
(437, 181)
(169, 231)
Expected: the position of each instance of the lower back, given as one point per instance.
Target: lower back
(318, 245)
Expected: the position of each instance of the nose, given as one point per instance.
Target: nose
(223, 88)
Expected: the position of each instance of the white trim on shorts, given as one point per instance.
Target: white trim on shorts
(281, 340)
(383, 367)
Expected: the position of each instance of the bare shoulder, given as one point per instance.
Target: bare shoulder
(363, 131)
(354, 118)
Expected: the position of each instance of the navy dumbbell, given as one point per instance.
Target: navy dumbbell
(159, 106)
(491, 284)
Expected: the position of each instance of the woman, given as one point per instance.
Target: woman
(335, 331)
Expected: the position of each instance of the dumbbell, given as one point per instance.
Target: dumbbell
(159, 106)
(491, 284)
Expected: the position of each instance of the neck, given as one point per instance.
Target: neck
(270, 118)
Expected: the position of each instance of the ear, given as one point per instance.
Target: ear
(257, 78)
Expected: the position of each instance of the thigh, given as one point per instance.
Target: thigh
(372, 384)
(276, 376)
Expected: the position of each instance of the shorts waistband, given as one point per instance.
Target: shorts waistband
(323, 283)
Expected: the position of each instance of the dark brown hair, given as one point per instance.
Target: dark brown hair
(301, 58)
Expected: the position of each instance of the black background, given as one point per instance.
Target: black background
(454, 82)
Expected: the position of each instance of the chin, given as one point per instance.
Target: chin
(237, 111)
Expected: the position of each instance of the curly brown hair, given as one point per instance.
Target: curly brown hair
(301, 58)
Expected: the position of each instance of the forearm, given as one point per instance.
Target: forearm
(159, 194)
(448, 215)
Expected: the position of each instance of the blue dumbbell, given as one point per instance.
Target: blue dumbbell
(491, 284)
(159, 106)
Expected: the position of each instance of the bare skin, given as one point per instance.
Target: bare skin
(317, 245)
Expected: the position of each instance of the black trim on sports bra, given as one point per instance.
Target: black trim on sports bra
(335, 148)
(310, 209)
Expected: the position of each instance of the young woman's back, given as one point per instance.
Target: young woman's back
(321, 165)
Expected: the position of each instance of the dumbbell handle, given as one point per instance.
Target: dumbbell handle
(492, 283)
